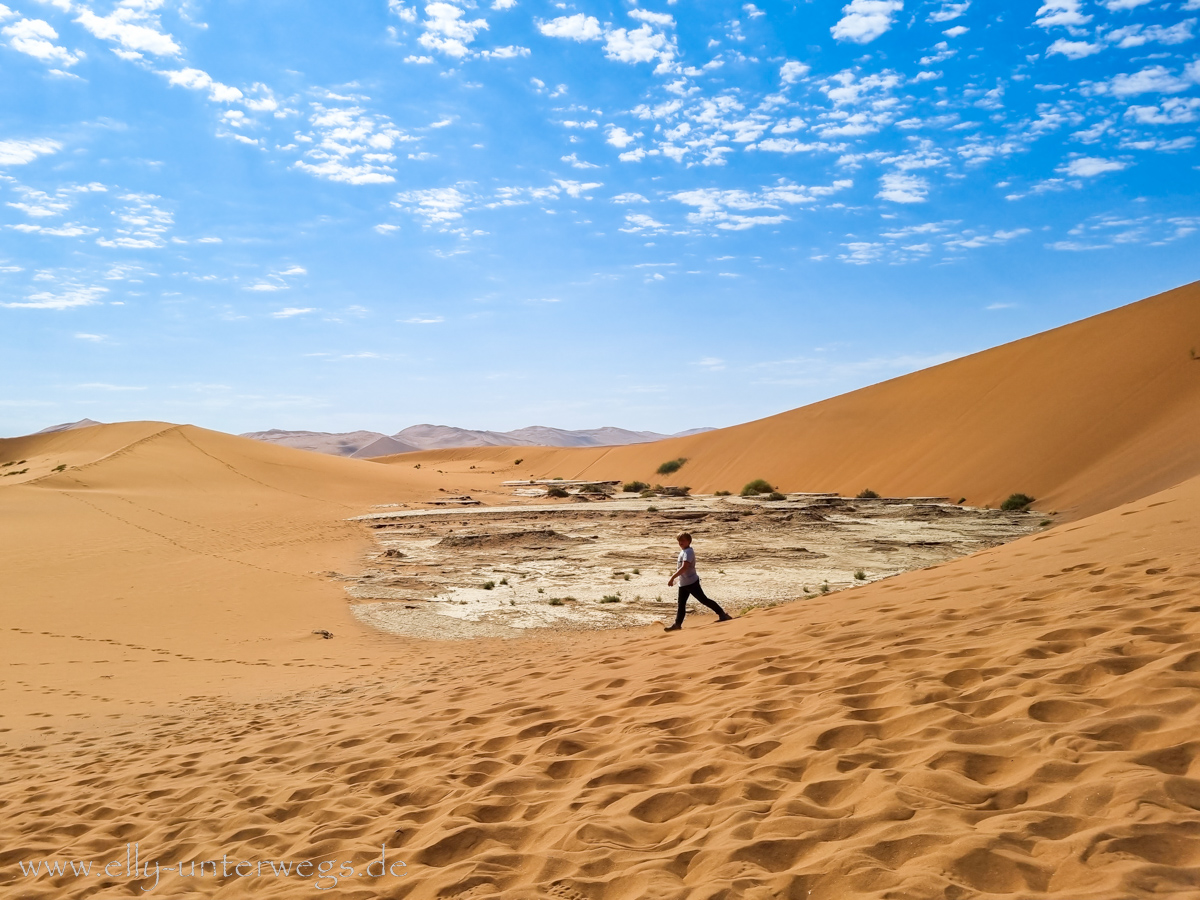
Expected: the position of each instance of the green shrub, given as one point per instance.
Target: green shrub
(637, 571)
(555, 601)
(488, 585)
(671, 466)
(825, 587)
(60, 468)
(611, 598)
(775, 495)
(1016, 502)
(557, 492)
(541, 590)
(1044, 523)
(756, 487)
(723, 494)
(672, 491)
(518, 462)
(962, 500)
(504, 581)
(867, 494)
(647, 492)
(652, 508)
(634, 487)
(860, 575)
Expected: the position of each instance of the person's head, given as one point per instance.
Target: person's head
(685, 540)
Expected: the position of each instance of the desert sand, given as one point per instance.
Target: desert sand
(1020, 722)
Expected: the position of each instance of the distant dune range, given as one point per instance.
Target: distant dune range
(366, 444)
(1016, 723)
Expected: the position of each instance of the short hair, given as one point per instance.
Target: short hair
(683, 536)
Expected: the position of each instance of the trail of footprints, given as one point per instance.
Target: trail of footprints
(1036, 744)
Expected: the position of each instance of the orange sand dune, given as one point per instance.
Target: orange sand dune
(1021, 723)
(1083, 417)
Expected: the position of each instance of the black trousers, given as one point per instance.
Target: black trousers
(694, 590)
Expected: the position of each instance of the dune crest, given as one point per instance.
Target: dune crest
(1084, 417)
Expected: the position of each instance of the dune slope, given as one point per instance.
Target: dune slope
(1084, 417)
(1016, 723)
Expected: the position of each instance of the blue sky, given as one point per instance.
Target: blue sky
(369, 214)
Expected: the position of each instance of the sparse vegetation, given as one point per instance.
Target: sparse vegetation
(504, 581)
(723, 494)
(512, 602)
(647, 492)
(557, 492)
(672, 491)
(611, 598)
(60, 468)
(637, 571)
(962, 500)
(867, 494)
(1016, 502)
(651, 508)
(775, 495)
(671, 466)
(518, 462)
(756, 487)
(541, 590)
(626, 576)
(860, 575)
(634, 487)
(555, 601)
(825, 587)
(1044, 523)
(417, 466)
(488, 585)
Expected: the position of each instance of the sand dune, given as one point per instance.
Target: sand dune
(1083, 417)
(1018, 723)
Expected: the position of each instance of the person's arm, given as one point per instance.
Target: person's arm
(687, 564)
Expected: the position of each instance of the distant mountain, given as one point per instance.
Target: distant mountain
(350, 443)
(365, 444)
(70, 426)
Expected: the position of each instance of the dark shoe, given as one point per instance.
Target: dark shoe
(673, 628)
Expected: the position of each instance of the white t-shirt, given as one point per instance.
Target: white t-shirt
(687, 555)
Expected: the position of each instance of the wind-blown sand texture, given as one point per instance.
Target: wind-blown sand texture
(1020, 723)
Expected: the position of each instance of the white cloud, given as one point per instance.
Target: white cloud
(791, 71)
(72, 296)
(419, 60)
(437, 206)
(384, 228)
(1072, 49)
(956, 31)
(637, 45)
(1172, 111)
(619, 137)
(290, 311)
(900, 188)
(948, 12)
(727, 209)
(267, 287)
(790, 145)
(351, 146)
(1061, 13)
(93, 338)
(417, 320)
(406, 13)
(629, 198)
(578, 163)
(1137, 35)
(1091, 166)
(134, 29)
(295, 270)
(510, 52)
(1115, 5)
(35, 37)
(652, 18)
(1150, 80)
(18, 153)
(577, 27)
(864, 20)
(576, 188)
(199, 80)
(502, 5)
(446, 31)
(636, 222)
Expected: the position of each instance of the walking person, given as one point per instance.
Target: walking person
(689, 584)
